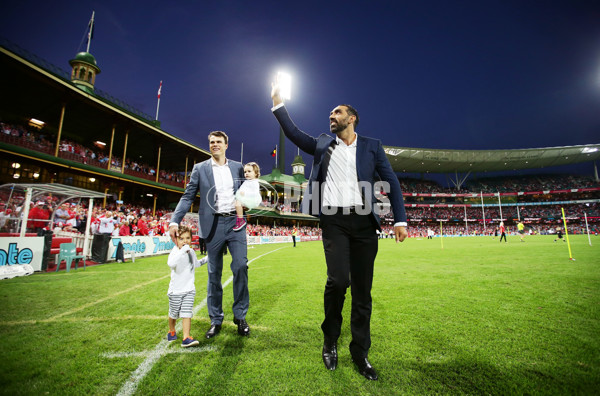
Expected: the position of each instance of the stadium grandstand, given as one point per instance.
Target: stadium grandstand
(57, 127)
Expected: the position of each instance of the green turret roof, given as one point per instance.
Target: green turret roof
(85, 57)
(298, 160)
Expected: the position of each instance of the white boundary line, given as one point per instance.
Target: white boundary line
(208, 348)
(160, 349)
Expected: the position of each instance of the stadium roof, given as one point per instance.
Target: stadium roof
(419, 160)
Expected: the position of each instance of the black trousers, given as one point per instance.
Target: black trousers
(350, 243)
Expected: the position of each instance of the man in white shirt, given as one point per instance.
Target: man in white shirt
(341, 191)
(217, 179)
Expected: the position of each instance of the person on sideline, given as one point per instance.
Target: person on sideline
(502, 232)
(217, 179)
(248, 195)
(341, 190)
(294, 235)
(521, 230)
(183, 263)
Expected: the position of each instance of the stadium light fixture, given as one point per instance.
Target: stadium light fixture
(36, 123)
(589, 150)
(285, 85)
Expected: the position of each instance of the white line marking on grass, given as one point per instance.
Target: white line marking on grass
(208, 348)
(144, 368)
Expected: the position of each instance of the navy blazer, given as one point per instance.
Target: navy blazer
(202, 180)
(372, 165)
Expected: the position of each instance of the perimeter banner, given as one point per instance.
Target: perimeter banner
(20, 256)
(140, 246)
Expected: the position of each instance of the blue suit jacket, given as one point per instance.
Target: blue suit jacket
(372, 165)
(202, 180)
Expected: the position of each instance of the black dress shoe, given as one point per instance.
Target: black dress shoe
(330, 357)
(243, 328)
(365, 369)
(213, 331)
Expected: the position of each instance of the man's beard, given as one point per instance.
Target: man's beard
(338, 127)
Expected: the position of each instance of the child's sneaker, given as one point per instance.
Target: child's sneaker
(171, 336)
(203, 261)
(189, 342)
(240, 222)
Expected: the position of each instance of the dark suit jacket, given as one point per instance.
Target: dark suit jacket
(372, 165)
(202, 180)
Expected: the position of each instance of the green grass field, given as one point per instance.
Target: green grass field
(476, 317)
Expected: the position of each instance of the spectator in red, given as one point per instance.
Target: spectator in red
(38, 216)
(143, 226)
(124, 229)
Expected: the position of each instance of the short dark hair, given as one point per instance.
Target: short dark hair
(220, 134)
(353, 112)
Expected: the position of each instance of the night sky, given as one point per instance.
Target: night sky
(427, 74)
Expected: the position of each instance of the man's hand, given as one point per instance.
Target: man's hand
(173, 233)
(400, 233)
(275, 93)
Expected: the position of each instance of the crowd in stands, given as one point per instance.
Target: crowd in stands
(267, 230)
(502, 184)
(117, 220)
(33, 139)
(531, 183)
(533, 211)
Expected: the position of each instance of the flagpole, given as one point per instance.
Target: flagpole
(91, 26)
(158, 102)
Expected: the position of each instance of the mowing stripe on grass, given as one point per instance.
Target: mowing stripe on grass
(84, 306)
(161, 348)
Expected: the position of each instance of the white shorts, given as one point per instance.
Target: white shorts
(181, 305)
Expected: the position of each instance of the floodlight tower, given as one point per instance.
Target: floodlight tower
(285, 91)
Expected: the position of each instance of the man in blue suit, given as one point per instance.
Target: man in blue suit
(347, 171)
(217, 179)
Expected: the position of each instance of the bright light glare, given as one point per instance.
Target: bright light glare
(285, 85)
(589, 150)
(36, 123)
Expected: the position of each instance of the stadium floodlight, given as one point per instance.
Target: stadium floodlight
(285, 85)
(36, 123)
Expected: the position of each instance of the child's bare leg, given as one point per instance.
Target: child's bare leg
(172, 324)
(239, 210)
(187, 323)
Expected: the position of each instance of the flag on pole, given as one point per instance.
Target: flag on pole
(159, 89)
(274, 152)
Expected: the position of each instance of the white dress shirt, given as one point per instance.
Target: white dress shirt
(223, 187)
(341, 181)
